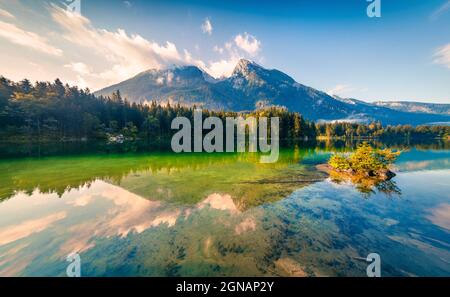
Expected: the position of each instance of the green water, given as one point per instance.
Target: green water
(140, 213)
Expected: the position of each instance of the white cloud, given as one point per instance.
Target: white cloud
(191, 61)
(128, 4)
(6, 14)
(79, 67)
(125, 54)
(248, 43)
(114, 46)
(340, 90)
(442, 55)
(113, 56)
(80, 82)
(222, 68)
(29, 39)
(244, 46)
(207, 27)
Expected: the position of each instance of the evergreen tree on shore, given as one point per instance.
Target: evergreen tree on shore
(58, 111)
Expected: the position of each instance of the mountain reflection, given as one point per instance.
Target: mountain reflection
(182, 178)
(118, 213)
(188, 215)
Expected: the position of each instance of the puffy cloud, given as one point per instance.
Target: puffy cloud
(115, 46)
(79, 82)
(128, 54)
(207, 27)
(79, 67)
(442, 55)
(113, 56)
(222, 68)
(244, 45)
(6, 14)
(248, 43)
(191, 61)
(28, 39)
(128, 4)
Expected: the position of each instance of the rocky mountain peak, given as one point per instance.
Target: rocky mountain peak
(244, 67)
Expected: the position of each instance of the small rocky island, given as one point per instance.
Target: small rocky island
(367, 167)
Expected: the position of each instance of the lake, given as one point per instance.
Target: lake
(128, 211)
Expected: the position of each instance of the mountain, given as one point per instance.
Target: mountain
(387, 115)
(420, 107)
(252, 86)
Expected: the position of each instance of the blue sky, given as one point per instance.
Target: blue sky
(329, 45)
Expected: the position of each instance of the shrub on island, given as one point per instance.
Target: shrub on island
(366, 162)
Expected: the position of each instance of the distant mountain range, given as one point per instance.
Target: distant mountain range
(251, 86)
(416, 106)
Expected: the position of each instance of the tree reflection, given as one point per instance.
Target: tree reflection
(368, 185)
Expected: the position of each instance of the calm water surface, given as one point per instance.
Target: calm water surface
(161, 214)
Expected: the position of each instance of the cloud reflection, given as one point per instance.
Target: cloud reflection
(10, 234)
(100, 210)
